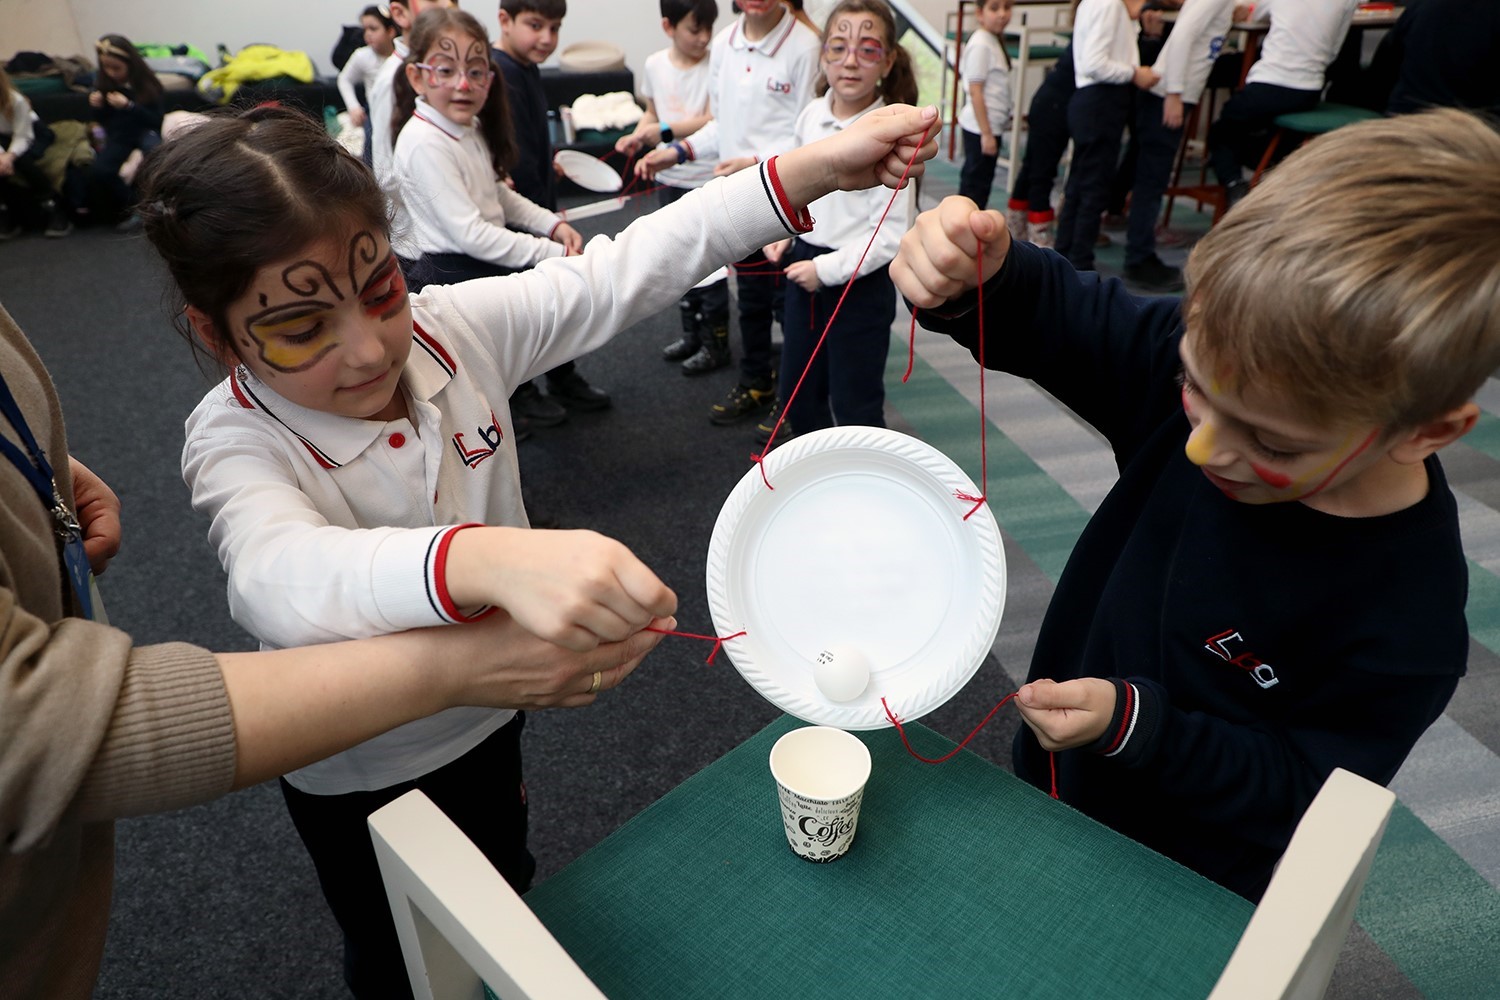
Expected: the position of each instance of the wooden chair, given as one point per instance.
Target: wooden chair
(460, 923)
(1293, 941)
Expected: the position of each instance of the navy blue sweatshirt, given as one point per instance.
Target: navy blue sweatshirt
(1254, 647)
(528, 114)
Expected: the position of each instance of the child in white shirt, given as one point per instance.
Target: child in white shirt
(1303, 40)
(1106, 63)
(985, 71)
(675, 84)
(364, 65)
(451, 157)
(359, 465)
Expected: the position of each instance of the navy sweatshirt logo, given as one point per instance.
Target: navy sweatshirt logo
(1228, 646)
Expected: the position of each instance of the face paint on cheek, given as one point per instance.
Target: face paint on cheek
(383, 307)
(1272, 478)
(1340, 467)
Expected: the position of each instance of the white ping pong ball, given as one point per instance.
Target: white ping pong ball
(841, 672)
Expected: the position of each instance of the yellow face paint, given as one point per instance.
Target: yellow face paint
(1200, 444)
(288, 351)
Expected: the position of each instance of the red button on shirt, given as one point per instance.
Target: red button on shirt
(397, 440)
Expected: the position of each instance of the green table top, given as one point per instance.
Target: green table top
(963, 881)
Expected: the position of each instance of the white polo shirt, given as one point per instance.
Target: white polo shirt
(758, 89)
(845, 219)
(1191, 48)
(1105, 45)
(457, 204)
(381, 95)
(335, 528)
(1304, 38)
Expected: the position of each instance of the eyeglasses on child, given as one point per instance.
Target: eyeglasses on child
(447, 75)
(868, 52)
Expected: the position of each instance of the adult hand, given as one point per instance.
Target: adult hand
(804, 274)
(989, 145)
(357, 116)
(568, 237)
(99, 515)
(936, 260)
(1171, 111)
(497, 662)
(733, 165)
(573, 588)
(117, 99)
(1067, 715)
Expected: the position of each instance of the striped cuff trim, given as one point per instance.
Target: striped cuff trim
(1128, 719)
(794, 220)
(437, 579)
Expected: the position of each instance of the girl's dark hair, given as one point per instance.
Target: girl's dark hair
(704, 12)
(381, 13)
(494, 117)
(143, 84)
(899, 85)
(240, 191)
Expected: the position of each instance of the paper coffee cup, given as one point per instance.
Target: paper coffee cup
(820, 777)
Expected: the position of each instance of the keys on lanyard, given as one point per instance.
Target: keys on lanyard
(34, 466)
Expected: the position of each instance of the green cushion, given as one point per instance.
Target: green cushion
(1324, 118)
(33, 85)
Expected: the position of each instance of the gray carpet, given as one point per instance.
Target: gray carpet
(220, 900)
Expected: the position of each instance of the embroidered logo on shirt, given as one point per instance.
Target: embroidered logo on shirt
(491, 435)
(1260, 672)
(778, 86)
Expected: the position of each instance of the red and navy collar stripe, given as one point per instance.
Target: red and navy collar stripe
(240, 385)
(435, 350)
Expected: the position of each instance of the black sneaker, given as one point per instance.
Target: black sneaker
(537, 410)
(743, 401)
(708, 359)
(58, 223)
(1154, 275)
(573, 391)
(768, 424)
(681, 349)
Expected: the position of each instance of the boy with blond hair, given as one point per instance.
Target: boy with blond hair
(1275, 586)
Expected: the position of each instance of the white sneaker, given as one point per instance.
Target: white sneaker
(1039, 234)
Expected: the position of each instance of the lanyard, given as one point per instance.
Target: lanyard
(34, 466)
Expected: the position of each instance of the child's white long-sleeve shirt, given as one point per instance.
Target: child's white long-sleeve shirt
(1304, 38)
(18, 123)
(456, 203)
(363, 66)
(1195, 42)
(845, 220)
(1105, 45)
(332, 528)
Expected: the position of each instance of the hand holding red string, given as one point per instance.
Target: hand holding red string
(1070, 714)
(875, 150)
(936, 259)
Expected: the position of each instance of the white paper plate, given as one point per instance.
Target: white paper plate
(862, 541)
(588, 172)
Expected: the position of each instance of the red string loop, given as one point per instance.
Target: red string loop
(718, 641)
(896, 721)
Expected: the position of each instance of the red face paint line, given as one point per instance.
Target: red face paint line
(1340, 467)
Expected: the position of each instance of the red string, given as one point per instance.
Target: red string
(718, 641)
(896, 721)
(787, 403)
